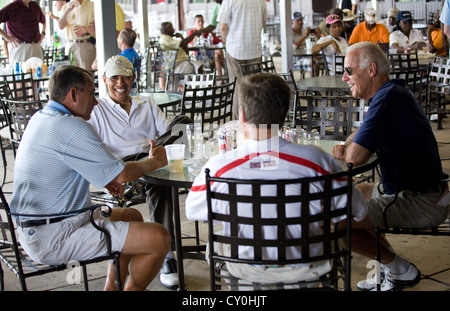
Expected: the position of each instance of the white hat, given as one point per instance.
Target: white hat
(118, 65)
(393, 12)
(348, 15)
(370, 14)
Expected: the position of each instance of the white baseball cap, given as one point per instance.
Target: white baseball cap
(118, 65)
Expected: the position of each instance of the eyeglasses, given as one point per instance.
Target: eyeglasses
(348, 70)
(333, 17)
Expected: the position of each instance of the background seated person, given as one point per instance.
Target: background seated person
(299, 37)
(260, 93)
(434, 36)
(169, 40)
(391, 20)
(369, 30)
(349, 20)
(217, 54)
(333, 44)
(71, 156)
(404, 36)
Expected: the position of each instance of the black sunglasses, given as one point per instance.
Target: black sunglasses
(348, 70)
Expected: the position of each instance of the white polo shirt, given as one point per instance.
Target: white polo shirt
(271, 159)
(125, 134)
(245, 20)
(399, 37)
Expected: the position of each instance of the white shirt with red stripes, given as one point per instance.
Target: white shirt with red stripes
(270, 159)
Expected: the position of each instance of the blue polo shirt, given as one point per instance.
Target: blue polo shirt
(131, 54)
(58, 157)
(396, 128)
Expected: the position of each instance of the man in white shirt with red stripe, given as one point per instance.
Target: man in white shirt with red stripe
(264, 103)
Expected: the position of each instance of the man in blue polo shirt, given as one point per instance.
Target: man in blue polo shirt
(67, 155)
(396, 128)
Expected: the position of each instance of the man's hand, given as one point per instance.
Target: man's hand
(158, 153)
(338, 151)
(115, 188)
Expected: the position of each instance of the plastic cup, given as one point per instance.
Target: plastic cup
(175, 157)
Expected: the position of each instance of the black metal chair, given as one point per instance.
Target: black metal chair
(50, 53)
(267, 66)
(339, 64)
(15, 258)
(211, 105)
(20, 113)
(5, 119)
(289, 78)
(175, 82)
(283, 208)
(441, 230)
(335, 117)
(416, 80)
(21, 85)
(404, 61)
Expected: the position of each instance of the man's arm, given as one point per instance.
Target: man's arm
(351, 152)
(223, 31)
(135, 169)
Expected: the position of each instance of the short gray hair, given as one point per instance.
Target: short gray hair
(369, 52)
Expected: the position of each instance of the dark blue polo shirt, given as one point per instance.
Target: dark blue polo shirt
(396, 128)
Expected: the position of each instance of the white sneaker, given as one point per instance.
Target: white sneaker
(371, 284)
(396, 282)
(168, 275)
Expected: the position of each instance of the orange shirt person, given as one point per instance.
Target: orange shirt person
(369, 30)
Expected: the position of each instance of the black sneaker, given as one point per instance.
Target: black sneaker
(168, 275)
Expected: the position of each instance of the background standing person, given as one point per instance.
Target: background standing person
(241, 23)
(348, 4)
(445, 20)
(22, 18)
(77, 17)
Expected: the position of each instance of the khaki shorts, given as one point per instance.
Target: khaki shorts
(25, 51)
(73, 238)
(410, 210)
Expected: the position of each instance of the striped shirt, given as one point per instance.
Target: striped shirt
(245, 20)
(272, 159)
(58, 157)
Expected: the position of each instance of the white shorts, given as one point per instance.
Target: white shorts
(74, 238)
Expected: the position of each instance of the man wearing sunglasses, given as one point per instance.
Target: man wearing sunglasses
(394, 127)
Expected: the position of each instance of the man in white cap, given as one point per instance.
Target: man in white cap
(391, 20)
(126, 125)
(369, 30)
